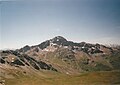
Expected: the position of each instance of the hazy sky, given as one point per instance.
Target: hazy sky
(31, 22)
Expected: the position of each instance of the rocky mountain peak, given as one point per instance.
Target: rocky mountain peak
(58, 40)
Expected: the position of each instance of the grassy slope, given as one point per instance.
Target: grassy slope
(50, 78)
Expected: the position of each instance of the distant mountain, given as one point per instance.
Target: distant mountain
(60, 55)
(60, 41)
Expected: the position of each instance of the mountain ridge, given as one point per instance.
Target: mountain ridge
(61, 41)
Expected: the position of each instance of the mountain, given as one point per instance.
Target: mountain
(62, 56)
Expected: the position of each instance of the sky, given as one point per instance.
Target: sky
(32, 22)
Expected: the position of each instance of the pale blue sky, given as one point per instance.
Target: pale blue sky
(31, 22)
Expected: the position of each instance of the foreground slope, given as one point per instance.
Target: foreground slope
(50, 78)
